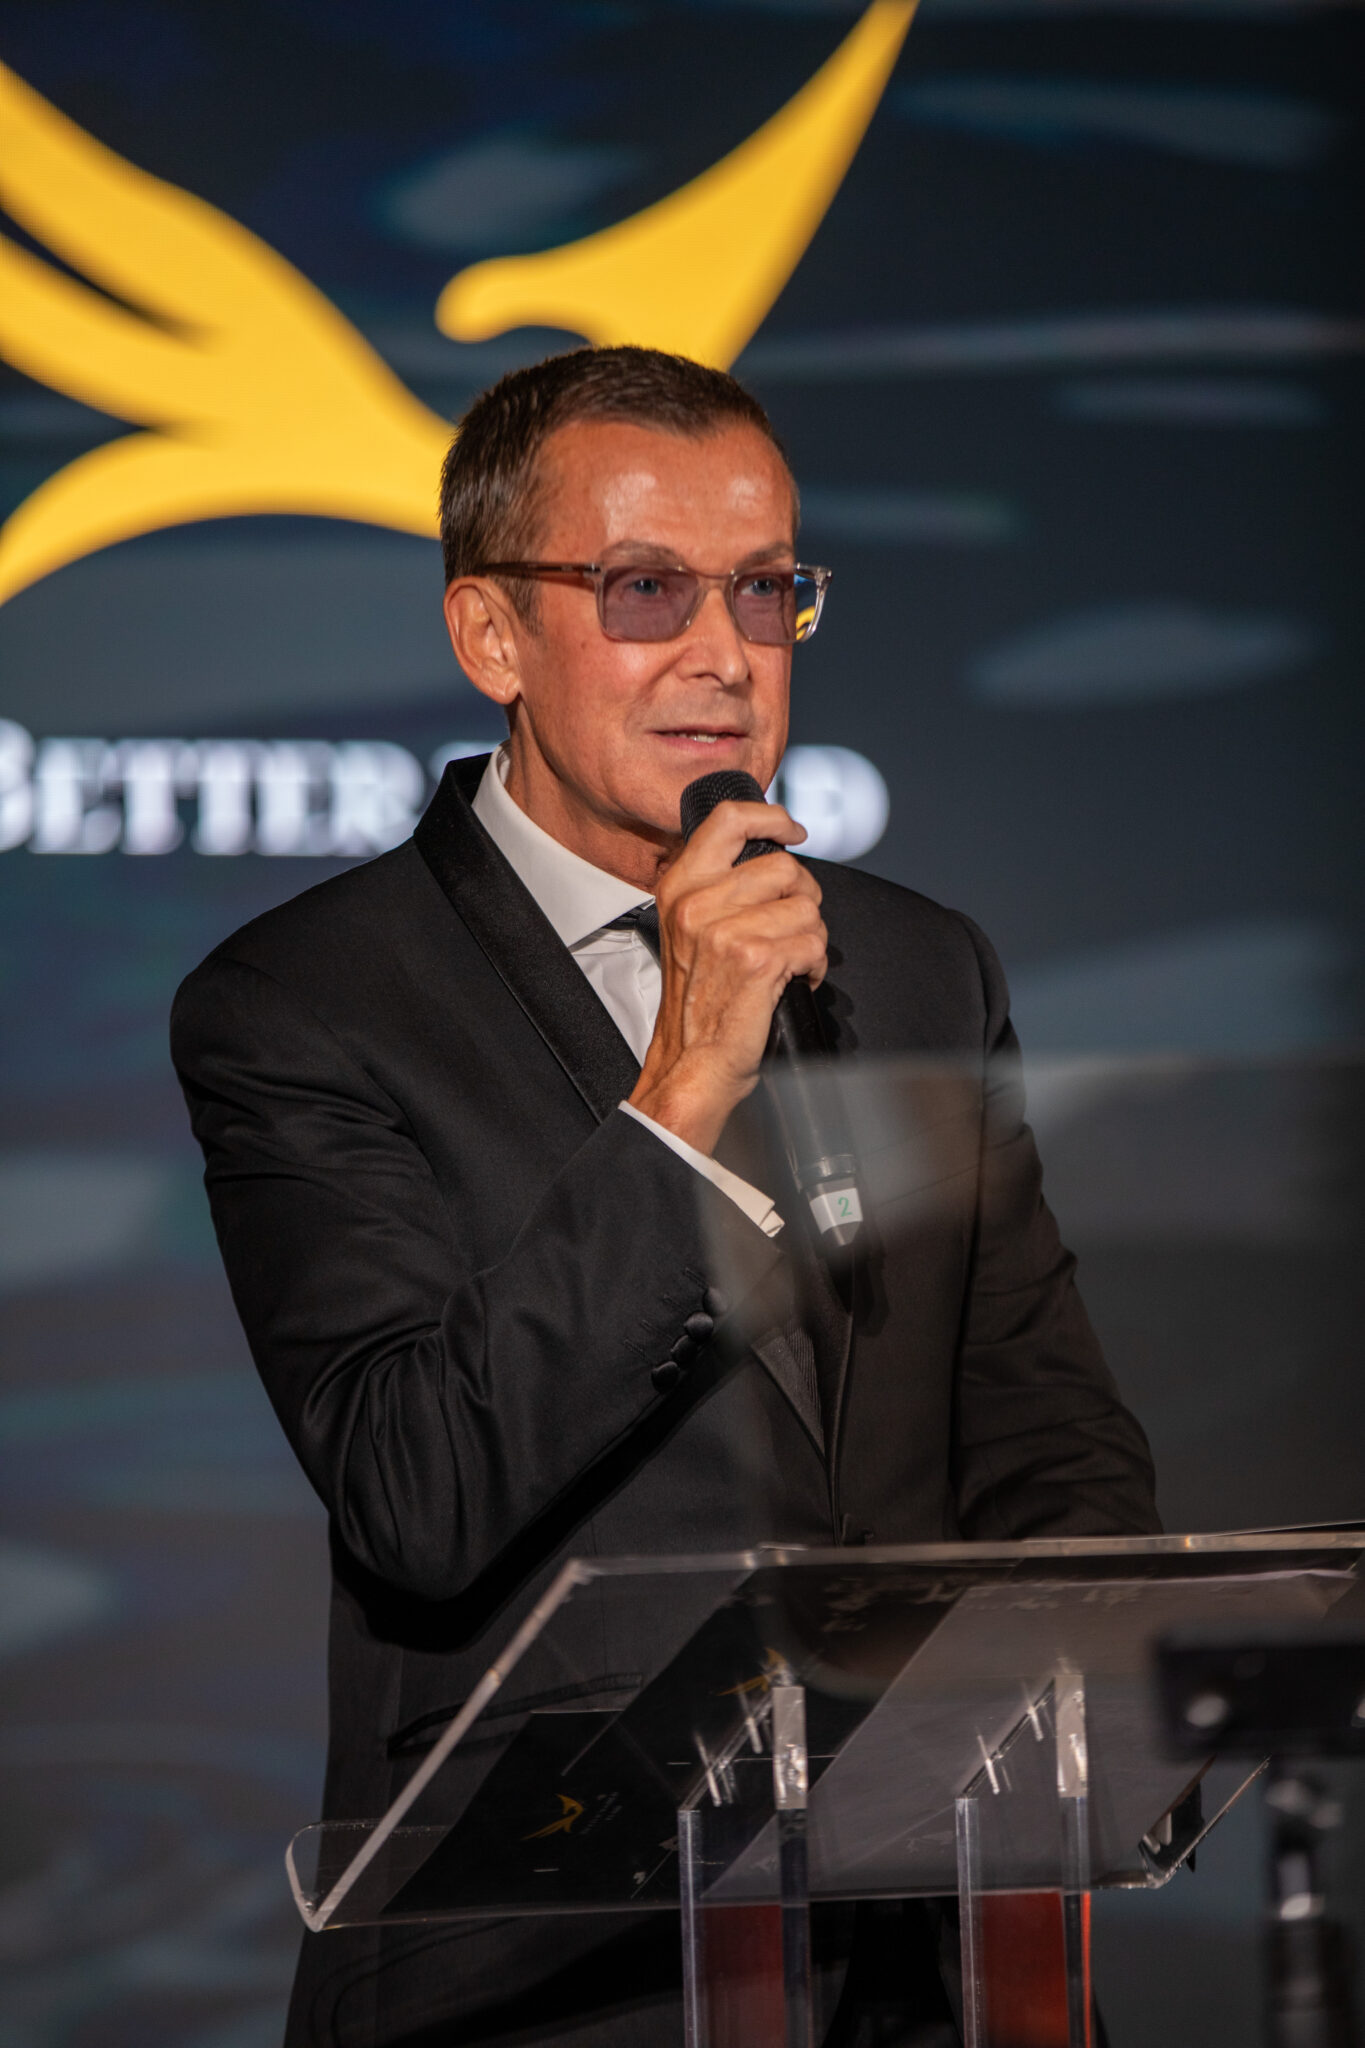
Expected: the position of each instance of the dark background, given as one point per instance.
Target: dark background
(1071, 378)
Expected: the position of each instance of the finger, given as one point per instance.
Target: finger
(772, 944)
(688, 914)
(757, 881)
(722, 837)
(761, 881)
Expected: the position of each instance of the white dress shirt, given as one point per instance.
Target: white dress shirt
(581, 902)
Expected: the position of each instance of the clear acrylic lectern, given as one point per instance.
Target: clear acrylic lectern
(732, 1737)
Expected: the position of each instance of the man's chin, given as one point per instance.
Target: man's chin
(647, 780)
(678, 760)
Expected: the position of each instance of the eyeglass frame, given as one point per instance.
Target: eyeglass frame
(597, 573)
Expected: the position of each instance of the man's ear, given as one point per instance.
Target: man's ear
(480, 622)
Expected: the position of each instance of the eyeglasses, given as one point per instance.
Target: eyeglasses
(771, 607)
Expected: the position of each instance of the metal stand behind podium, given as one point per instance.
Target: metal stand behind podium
(730, 1738)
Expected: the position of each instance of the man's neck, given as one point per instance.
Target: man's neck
(635, 854)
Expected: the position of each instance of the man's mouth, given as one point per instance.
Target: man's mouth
(707, 737)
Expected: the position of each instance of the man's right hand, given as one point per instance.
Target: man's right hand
(731, 939)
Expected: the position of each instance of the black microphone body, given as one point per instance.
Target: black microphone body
(811, 1114)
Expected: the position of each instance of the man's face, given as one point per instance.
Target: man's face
(608, 733)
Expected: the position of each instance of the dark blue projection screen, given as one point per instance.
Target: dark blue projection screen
(1056, 309)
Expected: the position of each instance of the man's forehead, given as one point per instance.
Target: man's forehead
(613, 472)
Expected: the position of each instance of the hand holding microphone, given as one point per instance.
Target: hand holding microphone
(743, 944)
(732, 939)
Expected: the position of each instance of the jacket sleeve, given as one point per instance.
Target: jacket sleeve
(438, 1411)
(1043, 1444)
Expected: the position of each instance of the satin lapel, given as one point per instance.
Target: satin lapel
(522, 945)
(847, 1321)
(790, 1363)
(749, 1147)
(839, 1018)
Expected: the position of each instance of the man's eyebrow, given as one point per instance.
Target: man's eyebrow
(640, 551)
(651, 551)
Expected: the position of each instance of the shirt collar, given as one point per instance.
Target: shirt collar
(577, 898)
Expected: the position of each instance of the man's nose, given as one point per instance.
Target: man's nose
(717, 642)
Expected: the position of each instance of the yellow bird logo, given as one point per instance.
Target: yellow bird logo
(254, 394)
(572, 1808)
(773, 1673)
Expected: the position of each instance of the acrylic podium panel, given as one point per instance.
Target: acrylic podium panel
(731, 1737)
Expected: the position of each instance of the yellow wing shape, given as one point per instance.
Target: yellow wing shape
(256, 395)
(697, 272)
(259, 396)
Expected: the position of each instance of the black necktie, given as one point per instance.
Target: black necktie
(644, 919)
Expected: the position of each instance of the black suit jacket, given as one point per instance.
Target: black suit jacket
(467, 1279)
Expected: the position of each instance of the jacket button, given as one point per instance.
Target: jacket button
(665, 1377)
(683, 1351)
(699, 1327)
(715, 1303)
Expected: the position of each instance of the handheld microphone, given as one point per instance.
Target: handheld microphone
(814, 1127)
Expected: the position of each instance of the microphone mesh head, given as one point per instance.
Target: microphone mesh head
(722, 786)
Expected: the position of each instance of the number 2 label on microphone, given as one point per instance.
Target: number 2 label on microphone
(836, 1205)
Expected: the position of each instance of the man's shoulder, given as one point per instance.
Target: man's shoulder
(868, 906)
(916, 972)
(361, 913)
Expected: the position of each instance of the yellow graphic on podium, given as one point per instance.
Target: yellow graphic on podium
(774, 1673)
(253, 392)
(564, 1825)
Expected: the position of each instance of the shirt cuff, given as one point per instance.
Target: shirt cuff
(755, 1204)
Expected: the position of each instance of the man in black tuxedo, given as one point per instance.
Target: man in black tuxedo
(516, 1254)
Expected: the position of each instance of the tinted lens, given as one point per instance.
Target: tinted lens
(774, 607)
(766, 606)
(646, 604)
